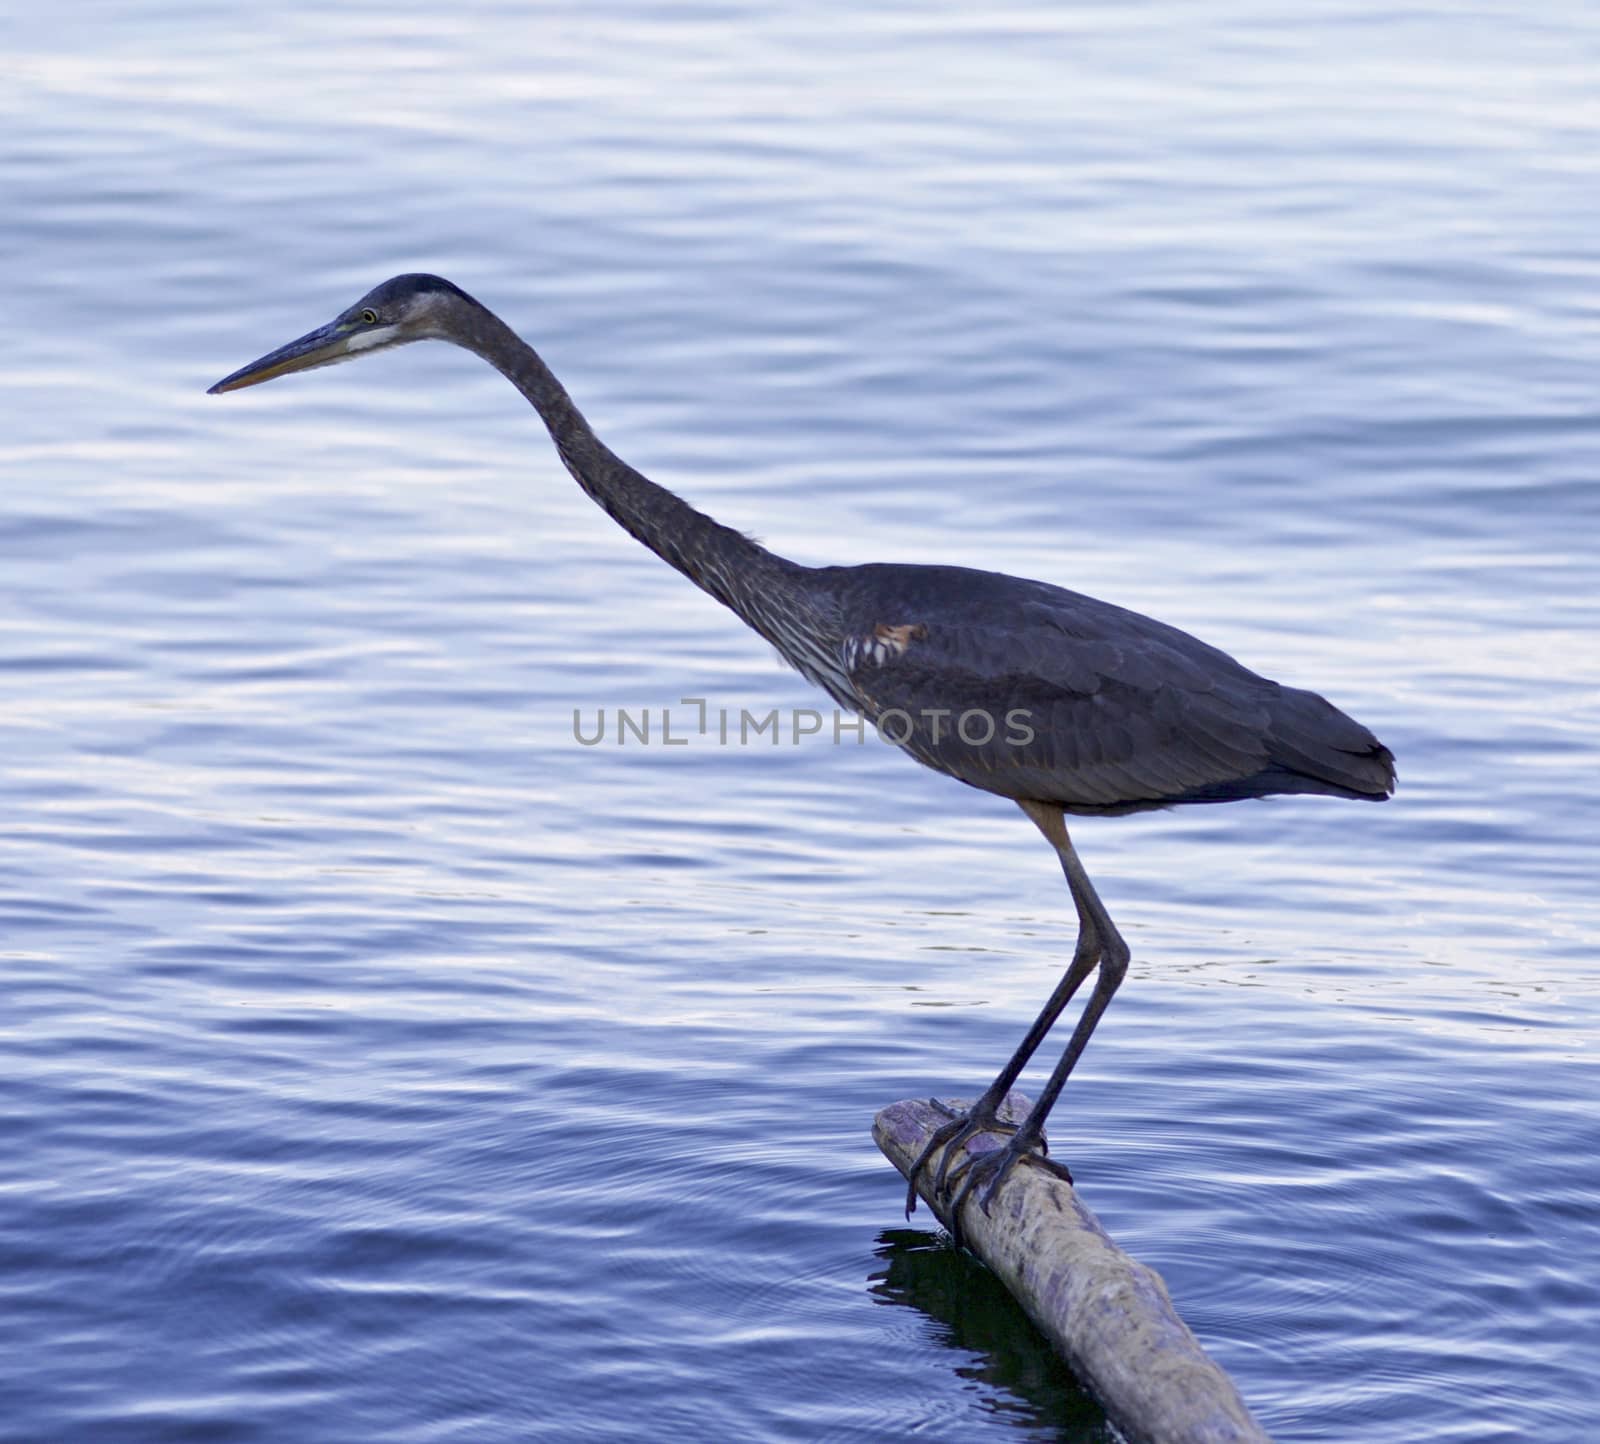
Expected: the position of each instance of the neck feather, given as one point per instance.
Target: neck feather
(768, 591)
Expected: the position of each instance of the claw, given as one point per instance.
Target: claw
(979, 1173)
(961, 1165)
(982, 1117)
(991, 1170)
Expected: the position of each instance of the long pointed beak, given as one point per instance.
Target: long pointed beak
(321, 347)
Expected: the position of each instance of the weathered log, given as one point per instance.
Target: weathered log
(1109, 1315)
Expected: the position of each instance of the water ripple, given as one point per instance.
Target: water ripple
(381, 1064)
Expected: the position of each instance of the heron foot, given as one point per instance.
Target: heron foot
(981, 1171)
(987, 1171)
(982, 1117)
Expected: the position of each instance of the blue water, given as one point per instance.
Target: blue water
(379, 1063)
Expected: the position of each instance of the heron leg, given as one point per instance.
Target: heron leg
(983, 1115)
(991, 1169)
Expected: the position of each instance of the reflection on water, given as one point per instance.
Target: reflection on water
(1003, 1355)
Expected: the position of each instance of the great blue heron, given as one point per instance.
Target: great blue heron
(1060, 702)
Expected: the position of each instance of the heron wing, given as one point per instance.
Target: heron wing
(1092, 707)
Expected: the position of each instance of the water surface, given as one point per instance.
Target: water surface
(380, 1063)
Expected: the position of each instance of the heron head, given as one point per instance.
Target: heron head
(402, 309)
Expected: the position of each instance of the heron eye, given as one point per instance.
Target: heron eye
(370, 316)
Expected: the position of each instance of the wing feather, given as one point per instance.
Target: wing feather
(1100, 710)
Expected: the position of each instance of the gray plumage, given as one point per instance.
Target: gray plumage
(1126, 713)
(1065, 704)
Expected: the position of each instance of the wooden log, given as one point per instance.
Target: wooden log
(1109, 1315)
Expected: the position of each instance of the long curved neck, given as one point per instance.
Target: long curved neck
(741, 574)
